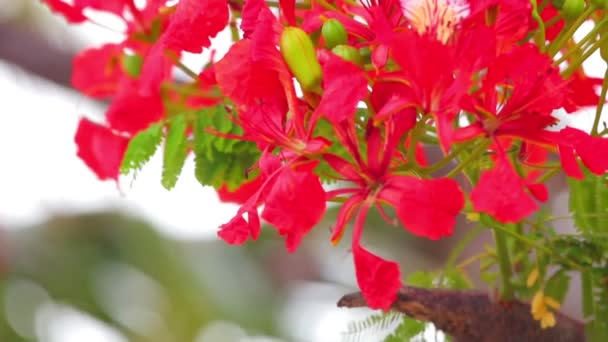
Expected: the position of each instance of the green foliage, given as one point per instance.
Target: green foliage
(557, 285)
(141, 148)
(406, 330)
(221, 160)
(588, 203)
(373, 326)
(176, 150)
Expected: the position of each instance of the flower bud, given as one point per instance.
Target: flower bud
(334, 33)
(348, 53)
(132, 64)
(570, 8)
(299, 53)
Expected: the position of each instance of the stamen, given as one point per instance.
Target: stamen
(435, 17)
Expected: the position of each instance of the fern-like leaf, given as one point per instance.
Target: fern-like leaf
(176, 150)
(141, 148)
(219, 160)
(376, 327)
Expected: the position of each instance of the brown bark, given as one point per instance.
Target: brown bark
(471, 316)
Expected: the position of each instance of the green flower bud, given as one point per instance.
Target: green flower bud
(132, 64)
(570, 8)
(334, 33)
(348, 53)
(299, 53)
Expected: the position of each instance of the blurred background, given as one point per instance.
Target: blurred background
(84, 260)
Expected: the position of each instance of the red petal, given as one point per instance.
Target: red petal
(295, 205)
(569, 163)
(156, 68)
(238, 230)
(288, 9)
(378, 279)
(251, 12)
(73, 14)
(345, 85)
(97, 71)
(429, 208)
(114, 6)
(592, 150)
(240, 78)
(131, 112)
(194, 23)
(500, 193)
(100, 149)
(242, 194)
(235, 232)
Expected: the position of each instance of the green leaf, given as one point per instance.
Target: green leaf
(421, 279)
(406, 331)
(141, 148)
(220, 160)
(557, 286)
(176, 150)
(588, 202)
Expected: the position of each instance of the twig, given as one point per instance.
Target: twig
(473, 316)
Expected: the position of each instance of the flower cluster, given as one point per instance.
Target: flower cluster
(357, 92)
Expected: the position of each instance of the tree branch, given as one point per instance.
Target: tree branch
(473, 316)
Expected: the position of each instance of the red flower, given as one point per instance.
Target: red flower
(425, 207)
(517, 97)
(292, 212)
(100, 149)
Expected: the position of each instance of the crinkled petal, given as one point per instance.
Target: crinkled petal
(242, 194)
(132, 112)
(344, 86)
(295, 205)
(378, 279)
(100, 149)
(97, 71)
(428, 207)
(194, 23)
(501, 193)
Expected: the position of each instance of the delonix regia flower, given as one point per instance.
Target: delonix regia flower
(346, 91)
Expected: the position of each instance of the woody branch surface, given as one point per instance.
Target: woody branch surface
(474, 316)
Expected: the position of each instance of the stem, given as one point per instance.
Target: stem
(477, 152)
(504, 263)
(447, 159)
(417, 132)
(462, 243)
(600, 105)
(581, 44)
(457, 250)
(577, 63)
(540, 35)
(539, 247)
(559, 41)
(587, 294)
